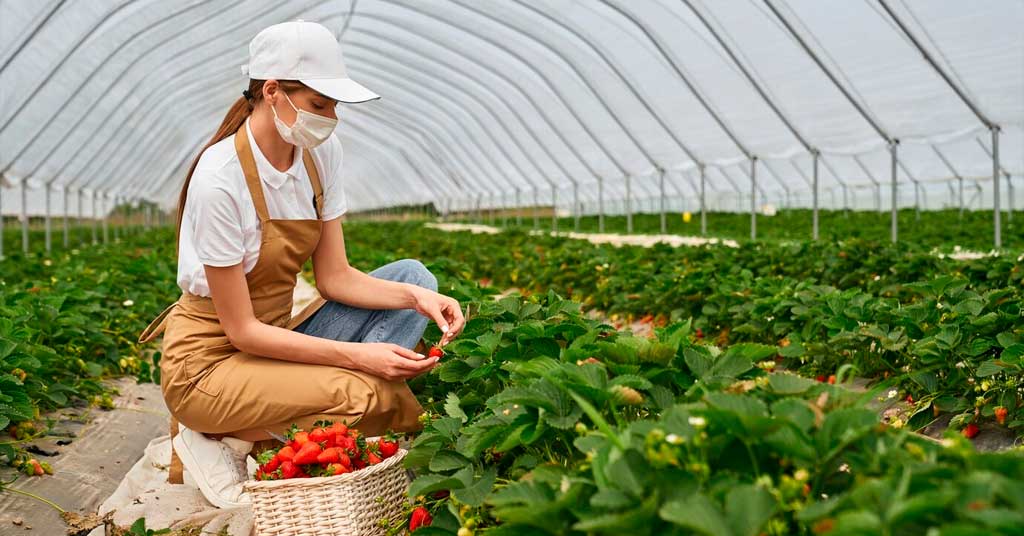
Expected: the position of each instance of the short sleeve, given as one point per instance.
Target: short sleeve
(335, 202)
(217, 232)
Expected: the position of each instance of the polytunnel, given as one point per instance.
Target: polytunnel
(592, 107)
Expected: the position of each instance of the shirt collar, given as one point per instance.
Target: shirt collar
(268, 173)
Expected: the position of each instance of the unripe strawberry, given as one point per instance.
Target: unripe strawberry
(627, 395)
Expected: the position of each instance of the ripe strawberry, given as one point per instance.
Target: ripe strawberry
(307, 454)
(910, 399)
(1001, 413)
(346, 443)
(358, 463)
(301, 438)
(338, 428)
(420, 518)
(700, 333)
(270, 461)
(260, 475)
(289, 469)
(388, 446)
(335, 469)
(832, 378)
(286, 453)
(970, 431)
(328, 456)
(821, 378)
(318, 435)
(436, 351)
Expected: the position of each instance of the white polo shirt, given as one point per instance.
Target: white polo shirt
(219, 226)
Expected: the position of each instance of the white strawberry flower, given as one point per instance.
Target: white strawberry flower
(698, 422)
(128, 303)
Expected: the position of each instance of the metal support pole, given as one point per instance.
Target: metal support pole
(24, 216)
(554, 208)
(114, 224)
(1009, 198)
(536, 207)
(519, 209)
(106, 218)
(600, 205)
(629, 206)
(576, 207)
(65, 222)
(894, 230)
(95, 218)
(661, 188)
(703, 202)
(753, 198)
(46, 220)
(997, 225)
(1, 218)
(814, 199)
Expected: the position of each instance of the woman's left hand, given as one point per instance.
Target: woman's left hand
(445, 311)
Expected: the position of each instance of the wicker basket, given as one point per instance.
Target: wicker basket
(344, 505)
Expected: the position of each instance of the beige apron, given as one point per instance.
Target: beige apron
(212, 387)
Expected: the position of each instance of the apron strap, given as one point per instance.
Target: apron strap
(156, 326)
(314, 180)
(252, 177)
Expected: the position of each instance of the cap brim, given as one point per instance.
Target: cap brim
(342, 89)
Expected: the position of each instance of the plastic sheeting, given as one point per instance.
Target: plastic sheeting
(493, 102)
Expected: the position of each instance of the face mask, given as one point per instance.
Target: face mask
(309, 129)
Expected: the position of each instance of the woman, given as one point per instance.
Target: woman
(263, 197)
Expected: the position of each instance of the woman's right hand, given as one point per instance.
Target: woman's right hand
(390, 361)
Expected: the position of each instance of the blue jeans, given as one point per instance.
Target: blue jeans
(403, 327)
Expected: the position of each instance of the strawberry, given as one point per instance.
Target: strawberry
(260, 475)
(338, 428)
(328, 456)
(289, 469)
(970, 431)
(286, 453)
(388, 446)
(358, 463)
(335, 469)
(318, 435)
(373, 458)
(832, 378)
(821, 378)
(301, 438)
(420, 518)
(269, 462)
(910, 399)
(436, 351)
(307, 454)
(700, 333)
(33, 468)
(343, 459)
(347, 443)
(1001, 414)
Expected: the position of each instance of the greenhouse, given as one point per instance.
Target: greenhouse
(516, 267)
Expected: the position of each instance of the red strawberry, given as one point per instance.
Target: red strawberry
(970, 431)
(420, 518)
(307, 454)
(388, 447)
(832, 378)
(335, 469)
(259, 474)
(300, 438)
(821, 378)
(373, 458)
(1001, 413)
(318, 435)
(358, 463)
(331, 455)
(286, 453)
(338, 428)
(289, 469)
(910, 399)
(346, 443)
(436, 351)
(343, 459)
(700, 333)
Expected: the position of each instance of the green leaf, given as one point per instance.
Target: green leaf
(789, 384)
(430, 483)
(748, 508)
(697, 513)
(475, 493)
(452, 408)
(988, 368)
(448, 460)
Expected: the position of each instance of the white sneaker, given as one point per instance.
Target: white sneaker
(218, 467)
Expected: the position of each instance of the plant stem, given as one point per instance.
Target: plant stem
(36, 497)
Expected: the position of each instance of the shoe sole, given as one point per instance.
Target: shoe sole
(188, 460)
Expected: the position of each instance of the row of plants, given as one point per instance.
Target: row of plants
(942, 229)
(70, 320)
(951, 330)
(541, 420)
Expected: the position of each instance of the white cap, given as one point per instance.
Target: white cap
(307, 52)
